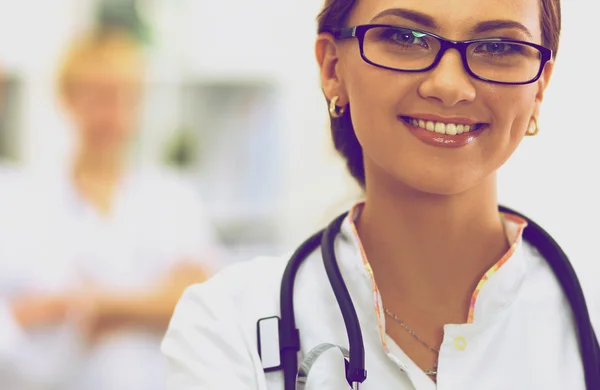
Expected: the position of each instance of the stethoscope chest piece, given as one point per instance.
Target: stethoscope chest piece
(311, 359)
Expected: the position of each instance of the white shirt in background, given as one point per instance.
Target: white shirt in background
(61, 242)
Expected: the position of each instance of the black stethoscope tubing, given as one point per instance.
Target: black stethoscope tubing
(355, 366)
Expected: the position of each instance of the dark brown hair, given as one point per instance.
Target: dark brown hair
(335, 14)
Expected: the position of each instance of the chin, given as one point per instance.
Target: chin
(441, 182)
(442, 188)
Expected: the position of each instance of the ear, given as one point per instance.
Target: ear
(542, 85)
(327, 53)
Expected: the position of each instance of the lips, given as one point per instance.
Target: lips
(444, 132)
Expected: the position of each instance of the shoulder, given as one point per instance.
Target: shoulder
(240, 289)
(167, 193)
(250, 290)
(544, 286)
(211, 340)
(164, 181)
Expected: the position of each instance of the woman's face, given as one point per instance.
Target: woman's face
(384, 103)
(103, 101)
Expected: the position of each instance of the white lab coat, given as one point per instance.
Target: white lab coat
(521, 338)
(33, 259)
(55, 241)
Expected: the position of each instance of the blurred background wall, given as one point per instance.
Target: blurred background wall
(234, 103)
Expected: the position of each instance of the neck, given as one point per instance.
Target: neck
(431, 249)
(97, 164)
(95, 176)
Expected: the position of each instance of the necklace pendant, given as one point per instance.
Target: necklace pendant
(432, 371)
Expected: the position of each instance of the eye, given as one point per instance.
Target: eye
(498, 48)
(404, 37)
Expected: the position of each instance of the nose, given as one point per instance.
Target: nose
(448, 83)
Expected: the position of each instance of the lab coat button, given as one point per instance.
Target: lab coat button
(460, 343)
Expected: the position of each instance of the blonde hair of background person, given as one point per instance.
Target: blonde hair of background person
(461, 301)
(105, 46)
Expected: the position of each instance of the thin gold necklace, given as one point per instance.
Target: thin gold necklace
(428, 372)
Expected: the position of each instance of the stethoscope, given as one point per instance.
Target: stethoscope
(279, 339)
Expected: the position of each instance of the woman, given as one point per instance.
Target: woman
(142, 236)
(131, 240)
(460, 299)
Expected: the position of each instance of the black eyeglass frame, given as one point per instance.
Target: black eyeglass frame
(359, 32)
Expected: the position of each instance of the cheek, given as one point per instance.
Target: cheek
(375, 97)
(511, 107)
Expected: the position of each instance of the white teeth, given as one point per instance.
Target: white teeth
(441, 128)
(451, 129)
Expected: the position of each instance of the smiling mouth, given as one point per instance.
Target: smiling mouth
(442, 127)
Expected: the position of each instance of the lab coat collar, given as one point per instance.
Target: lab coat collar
(75, 201)
(496, 290)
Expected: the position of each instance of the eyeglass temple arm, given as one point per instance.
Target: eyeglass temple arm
(344, 33)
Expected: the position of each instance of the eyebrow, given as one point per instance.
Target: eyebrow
(492, 25)
(428, 22)
(417, 17)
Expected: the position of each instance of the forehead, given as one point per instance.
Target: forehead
(456, 16)
(111, 68)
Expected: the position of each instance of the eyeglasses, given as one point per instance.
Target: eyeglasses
(495, 60)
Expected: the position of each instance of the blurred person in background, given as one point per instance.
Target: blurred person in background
(125, 242)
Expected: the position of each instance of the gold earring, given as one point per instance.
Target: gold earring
(534, 127)
(334, 110)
